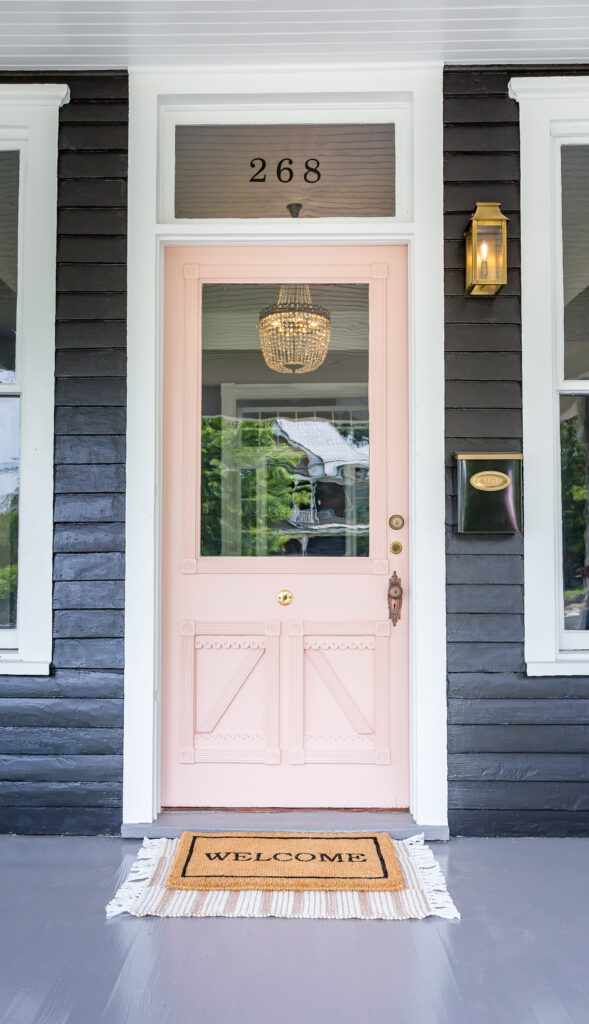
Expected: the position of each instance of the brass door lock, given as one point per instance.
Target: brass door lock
(395, 598)
(396, 522)
(284, 597)
(395, 547)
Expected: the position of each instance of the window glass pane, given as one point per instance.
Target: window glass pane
(575, 251)
(574, 457)
(285, 170)
(9, 160)
(9, 478)
(285, 437)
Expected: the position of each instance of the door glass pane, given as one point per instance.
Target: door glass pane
(305, 170)
(285, 436)
(8, 262)
(9, 478)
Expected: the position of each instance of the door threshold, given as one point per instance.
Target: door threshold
(171, 824)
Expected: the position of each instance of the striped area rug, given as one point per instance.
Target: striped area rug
(144, 892)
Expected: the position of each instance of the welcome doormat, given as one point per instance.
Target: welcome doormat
(146, 893)
(356, 861)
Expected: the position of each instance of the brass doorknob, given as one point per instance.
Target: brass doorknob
(284, 597)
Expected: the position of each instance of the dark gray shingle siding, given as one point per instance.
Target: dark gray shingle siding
(61, 736)
(518, 748)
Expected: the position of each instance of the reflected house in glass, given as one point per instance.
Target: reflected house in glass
(338, 461)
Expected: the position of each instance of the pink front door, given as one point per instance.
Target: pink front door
(285, 682)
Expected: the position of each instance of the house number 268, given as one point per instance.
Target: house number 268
(284, 171)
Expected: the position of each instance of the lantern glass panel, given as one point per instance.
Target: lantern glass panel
(489, 253)
(575, 254)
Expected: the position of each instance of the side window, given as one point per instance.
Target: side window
(28, 240)
(9, 398)
(573, 397)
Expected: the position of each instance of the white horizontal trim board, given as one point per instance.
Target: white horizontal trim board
(245, 95)
(553, 111)
(29, 123)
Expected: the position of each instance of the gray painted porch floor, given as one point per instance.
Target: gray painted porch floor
(519, 954)
(173, 823)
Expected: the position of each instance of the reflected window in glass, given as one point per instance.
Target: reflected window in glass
(9, 170)
(9, 480)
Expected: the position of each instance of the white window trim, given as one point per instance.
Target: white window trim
(553, 110)
(29, 122)
(423, 235)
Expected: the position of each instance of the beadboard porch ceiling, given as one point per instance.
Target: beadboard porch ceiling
(154, 33)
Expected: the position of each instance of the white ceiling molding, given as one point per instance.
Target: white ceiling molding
(175, 33)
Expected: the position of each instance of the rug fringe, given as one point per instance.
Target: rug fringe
(141, 871)
(432, 879)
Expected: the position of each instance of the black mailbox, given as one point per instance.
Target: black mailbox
(489, 492)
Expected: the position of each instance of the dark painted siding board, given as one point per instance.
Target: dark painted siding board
(62, 713)
(517, 822)
(514, 739)
(76, 740)
(518, 747)
(549, 796)
(89, 594)
(61, 735)
(72, 768)
(63, 821)
(92, 449)
(519, 767)
(84, 624)
(64, 683)
(80, 508)
(61, 794)
(89, 537)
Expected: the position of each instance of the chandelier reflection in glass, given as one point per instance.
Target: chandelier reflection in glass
(294, 334)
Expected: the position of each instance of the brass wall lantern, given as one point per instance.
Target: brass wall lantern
(486, 250)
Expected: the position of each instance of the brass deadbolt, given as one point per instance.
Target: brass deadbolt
(284, 597)
(396, 547)
(396, 522)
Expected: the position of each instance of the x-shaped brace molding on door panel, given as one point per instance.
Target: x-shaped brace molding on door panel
(225, 635)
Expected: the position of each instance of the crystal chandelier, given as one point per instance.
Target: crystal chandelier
(294, 334)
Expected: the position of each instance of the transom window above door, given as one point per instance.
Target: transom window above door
(296, 162)
(295, 170)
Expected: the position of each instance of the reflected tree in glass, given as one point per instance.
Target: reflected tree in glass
(575, 530)
(9, 481)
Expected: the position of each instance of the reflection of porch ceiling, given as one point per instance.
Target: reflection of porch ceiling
(172, 33)
(230, 314)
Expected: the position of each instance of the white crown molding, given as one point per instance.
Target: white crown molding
(34, 94)
(570, 87)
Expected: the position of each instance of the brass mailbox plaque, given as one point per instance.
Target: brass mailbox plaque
(489, 492)
(490, 481)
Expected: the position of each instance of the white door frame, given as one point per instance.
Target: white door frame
(312, 93)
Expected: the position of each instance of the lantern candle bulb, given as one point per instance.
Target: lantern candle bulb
(484, 261)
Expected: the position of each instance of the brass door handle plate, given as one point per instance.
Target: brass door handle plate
(284, 597)
(395, 598)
